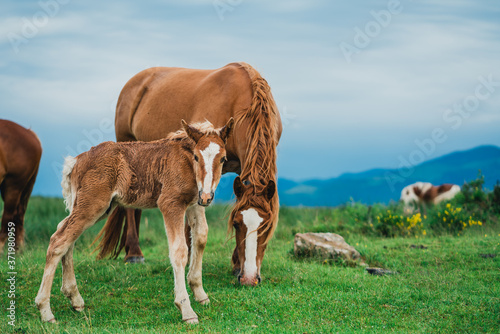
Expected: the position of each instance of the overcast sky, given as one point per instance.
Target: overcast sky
(359, 84)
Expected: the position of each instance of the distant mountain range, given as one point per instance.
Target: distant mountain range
(383, 185)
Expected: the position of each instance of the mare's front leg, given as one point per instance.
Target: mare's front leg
(196, 220)
(173, 215)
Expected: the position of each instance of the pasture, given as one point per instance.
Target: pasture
(449, 286)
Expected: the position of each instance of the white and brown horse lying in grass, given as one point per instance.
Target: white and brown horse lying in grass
(422, 194)
(173, 174)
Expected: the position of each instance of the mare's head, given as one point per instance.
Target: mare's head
(254, 224)
(209, 156)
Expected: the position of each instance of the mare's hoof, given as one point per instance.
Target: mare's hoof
(52, 321)
(192, 321)
(79, 309)
(135, 259)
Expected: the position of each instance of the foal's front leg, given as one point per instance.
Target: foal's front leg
(178, 252)
(195, 215)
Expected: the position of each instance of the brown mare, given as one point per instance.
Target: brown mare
(152, 104)
(172, 174)
(20, 153)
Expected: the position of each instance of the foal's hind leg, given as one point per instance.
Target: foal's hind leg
(68, 231)
(59, 244)
(69, 288)
(197, 222)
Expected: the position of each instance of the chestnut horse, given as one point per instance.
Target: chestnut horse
(151, 105)
(20, 153)
(171, 174)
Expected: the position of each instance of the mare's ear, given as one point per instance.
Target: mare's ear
(270, 190)
(226, 131)
(238, 187)
(193, 133)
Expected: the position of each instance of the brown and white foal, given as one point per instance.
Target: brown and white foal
(173, 174)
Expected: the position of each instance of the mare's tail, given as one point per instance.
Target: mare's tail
(113, 239)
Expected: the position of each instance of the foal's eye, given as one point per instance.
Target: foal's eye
(236, 226)
(196, 158)
(246, 182)
(222, 160)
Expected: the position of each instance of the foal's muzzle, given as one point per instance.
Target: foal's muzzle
(204, 199)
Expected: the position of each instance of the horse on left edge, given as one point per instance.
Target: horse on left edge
(20, 153)
(178, 174)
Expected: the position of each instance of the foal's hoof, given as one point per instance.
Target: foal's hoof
(135, 259)
(52, 321)
(205, 301)
(192, 321)
(78, 308)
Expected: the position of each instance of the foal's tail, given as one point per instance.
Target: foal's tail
(113, 239)
(69, 164)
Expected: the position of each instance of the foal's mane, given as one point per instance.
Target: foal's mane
(260, 162)
(206, 127)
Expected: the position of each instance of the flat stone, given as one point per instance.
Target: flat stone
(488, 256)
(380, 271)
(325, 246)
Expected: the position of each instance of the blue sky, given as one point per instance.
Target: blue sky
(360, 85)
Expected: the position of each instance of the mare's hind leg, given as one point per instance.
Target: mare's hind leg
(132, 249)
(23, 205)
(69, 288)
(68, 231)
(195, 216)
(11, 195)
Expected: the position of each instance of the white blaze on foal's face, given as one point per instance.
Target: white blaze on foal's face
(252, 221)
(208, 156)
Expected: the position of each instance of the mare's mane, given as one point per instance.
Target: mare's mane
(260, 161)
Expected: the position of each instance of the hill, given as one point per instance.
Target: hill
(383, 185)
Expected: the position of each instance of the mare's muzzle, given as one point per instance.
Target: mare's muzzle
(249, 281)
(204, 199)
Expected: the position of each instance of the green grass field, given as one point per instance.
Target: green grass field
(446, 288)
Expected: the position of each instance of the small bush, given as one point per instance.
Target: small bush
(390, 224)
(452, 219)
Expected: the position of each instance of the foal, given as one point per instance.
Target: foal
(172, 174)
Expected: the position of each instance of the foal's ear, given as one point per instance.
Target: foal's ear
(238, 187)
(270, 190)
(226, 131)
(193, 133)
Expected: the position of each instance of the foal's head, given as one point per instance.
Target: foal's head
(209, 157)
(253, 226)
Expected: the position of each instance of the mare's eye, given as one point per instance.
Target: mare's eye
(222, 160)
(246, 182)
(236, 226)
(196, 158)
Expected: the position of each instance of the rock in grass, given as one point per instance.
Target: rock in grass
(487, 256)
(380, 271)
(325, 246)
